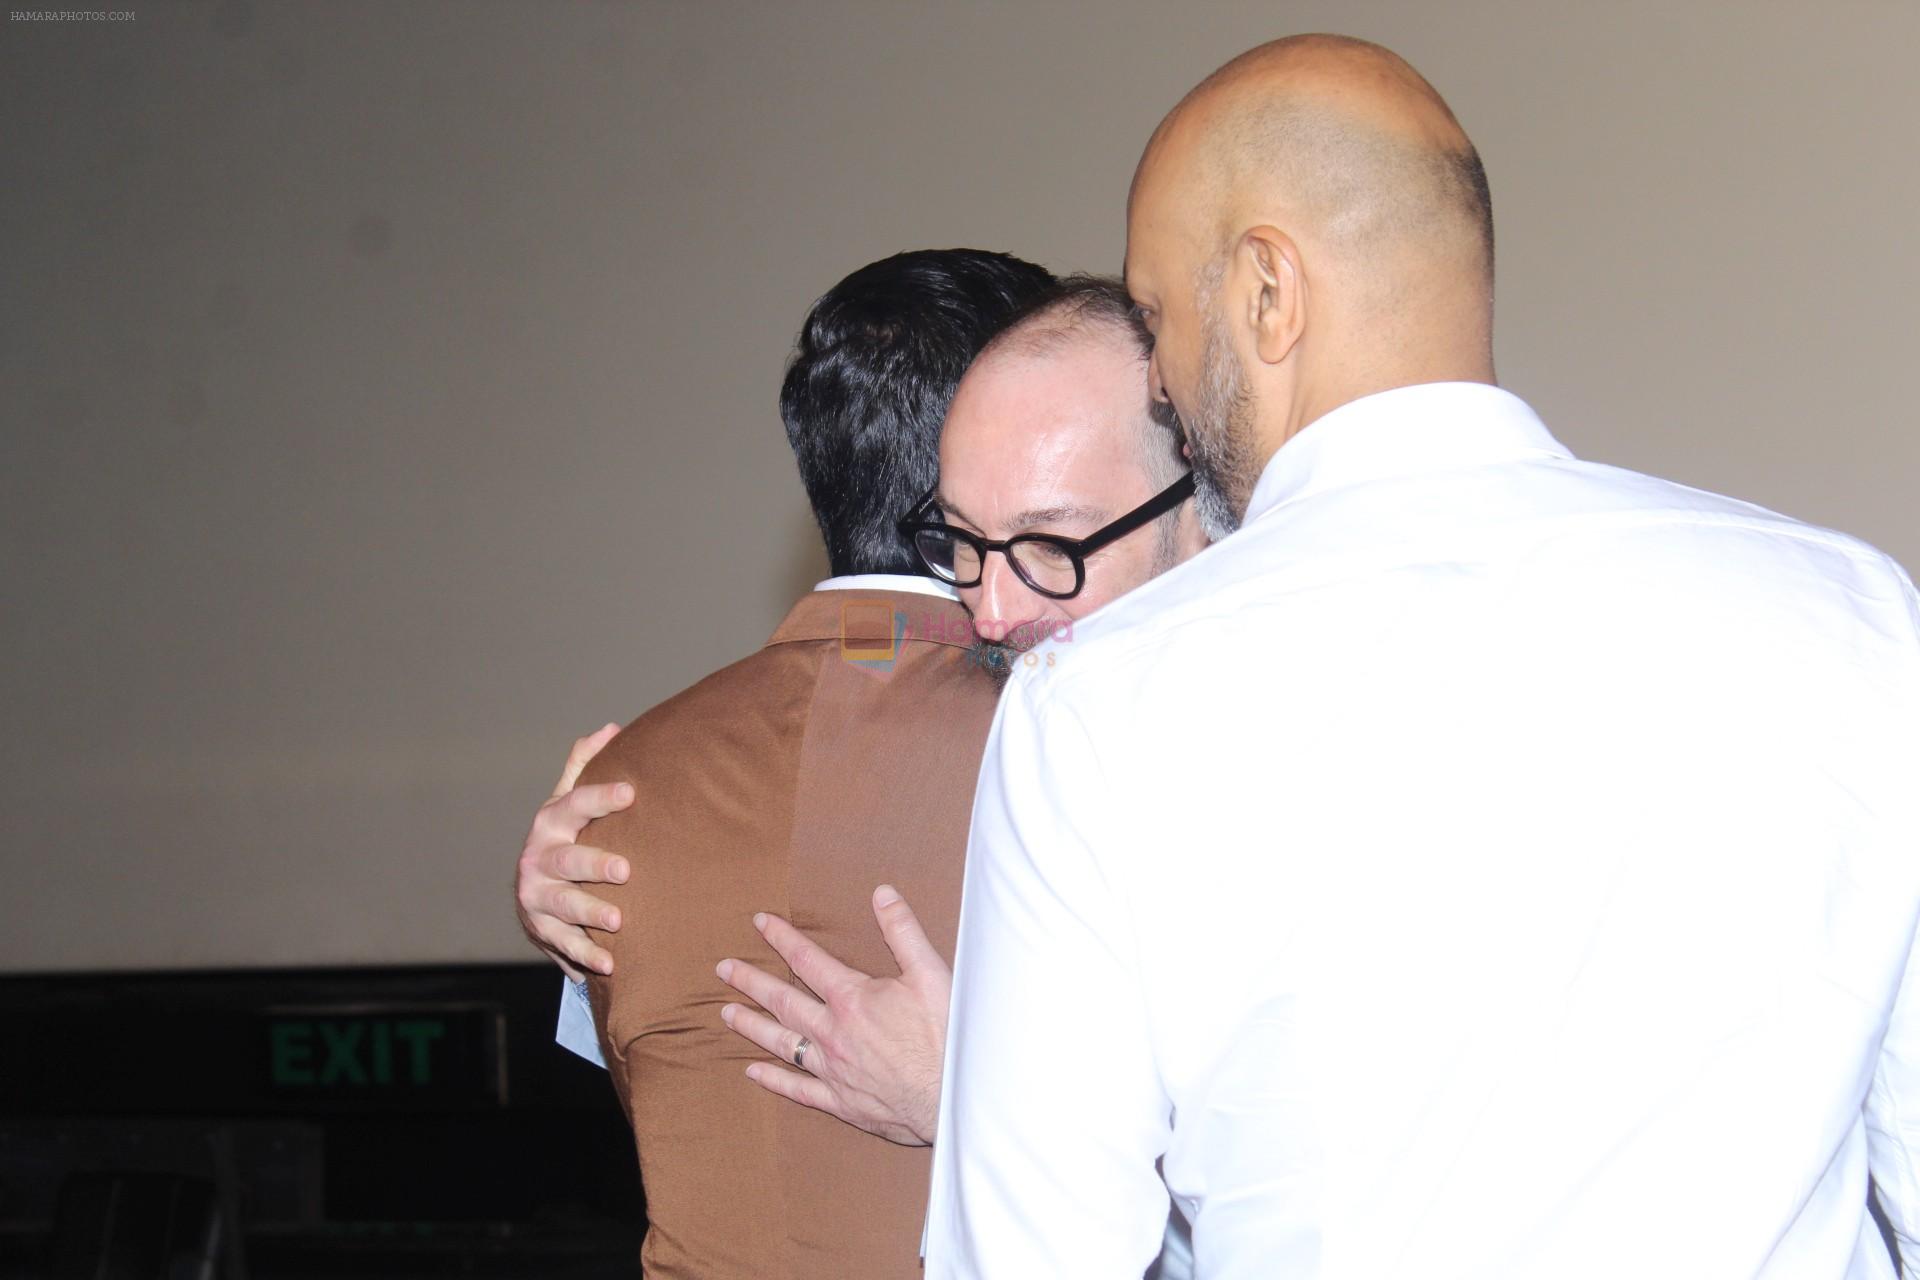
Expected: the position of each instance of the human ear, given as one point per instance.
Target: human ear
(1276, 292)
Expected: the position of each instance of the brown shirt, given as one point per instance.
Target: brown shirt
(838, 757)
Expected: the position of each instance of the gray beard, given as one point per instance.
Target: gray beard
(998, 657)
(1220, 439)
(994, 658)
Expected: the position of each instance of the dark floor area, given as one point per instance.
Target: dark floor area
(306, 1123)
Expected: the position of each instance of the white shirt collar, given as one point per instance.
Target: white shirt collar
(888, 582)
(1407, 431)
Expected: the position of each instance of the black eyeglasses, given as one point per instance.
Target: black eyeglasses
(1052, 565)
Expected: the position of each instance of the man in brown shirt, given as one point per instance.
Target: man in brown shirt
(840, 756)
(792, 781)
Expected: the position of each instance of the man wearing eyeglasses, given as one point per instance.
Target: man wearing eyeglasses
(1062, 489)
(838, 755)
(1033, 516)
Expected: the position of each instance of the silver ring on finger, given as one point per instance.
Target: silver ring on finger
(800, 1053)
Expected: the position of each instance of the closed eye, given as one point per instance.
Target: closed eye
(1143, 323)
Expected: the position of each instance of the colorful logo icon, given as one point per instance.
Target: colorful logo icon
(870, 634)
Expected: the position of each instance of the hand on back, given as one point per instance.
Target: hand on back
(554, 910)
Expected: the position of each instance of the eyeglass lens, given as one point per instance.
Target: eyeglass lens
(1044, 566)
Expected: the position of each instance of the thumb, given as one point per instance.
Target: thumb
(905, 938)
(584, 750)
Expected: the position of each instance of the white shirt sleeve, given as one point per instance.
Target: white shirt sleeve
(575, 1030)
(1893, 1123)
(1893, 1100)
(1053, 1113)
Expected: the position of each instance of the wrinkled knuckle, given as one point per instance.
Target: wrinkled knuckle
(527, 893)
(526, 872)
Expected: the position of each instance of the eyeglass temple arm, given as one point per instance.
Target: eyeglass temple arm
(910, 519)
(1166, 500)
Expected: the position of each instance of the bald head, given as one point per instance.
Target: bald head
(1095, 311)
(1346, 139)
(1318, 205)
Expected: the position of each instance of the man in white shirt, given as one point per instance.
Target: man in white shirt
(1482, 863)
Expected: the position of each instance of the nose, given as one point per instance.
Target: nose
(1155, 387)
(1005, 601)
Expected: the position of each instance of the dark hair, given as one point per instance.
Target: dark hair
(873, 371)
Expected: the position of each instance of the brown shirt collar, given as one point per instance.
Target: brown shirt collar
(875, 615)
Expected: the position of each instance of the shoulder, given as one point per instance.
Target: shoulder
(1635, 528)
(1575, 525)
(750, 704)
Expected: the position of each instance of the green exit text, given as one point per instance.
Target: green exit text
(361, 1051)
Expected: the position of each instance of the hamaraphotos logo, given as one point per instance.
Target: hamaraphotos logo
(871, 632)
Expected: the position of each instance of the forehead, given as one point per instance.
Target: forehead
(1160, 251)
(1032, 430)
(1159, 208)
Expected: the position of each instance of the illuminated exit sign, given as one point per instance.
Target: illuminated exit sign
(359, 1055)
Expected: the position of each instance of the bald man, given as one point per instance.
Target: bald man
(1480, 862)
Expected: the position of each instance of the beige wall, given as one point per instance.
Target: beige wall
(389, 389)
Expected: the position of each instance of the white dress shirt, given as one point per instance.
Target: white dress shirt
(1484, 863)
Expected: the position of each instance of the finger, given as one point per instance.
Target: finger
(796, 1086)
(807, 958)
(576, 950)
(568, 815)
(904, 936)
(534, 927)
(795, 1009)
(584, 749)
(566, 946)
(764, 1031)
(588, 958)
(569, 905)
(581, 864)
